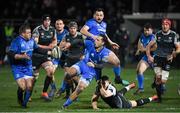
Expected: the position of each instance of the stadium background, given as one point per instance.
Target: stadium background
(131, 14)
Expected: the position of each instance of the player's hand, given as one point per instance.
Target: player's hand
(67, 46)
(137, 52)
(174, 54)
(22, 56)
(96, 108)
(170, 57)
(91, 64)
(94, 37)
(150, 59)
(115, 45)
(51, 46)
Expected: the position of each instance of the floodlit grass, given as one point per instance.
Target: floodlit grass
(8, 97)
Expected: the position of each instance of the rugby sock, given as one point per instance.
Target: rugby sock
(159, 91)
(117, 71)
(53, 85)
(46, 83)
(20, 95)
(68, 102)
(123, 91)
(26, 97)
(141, 102)
(63, 86)
(140, 78)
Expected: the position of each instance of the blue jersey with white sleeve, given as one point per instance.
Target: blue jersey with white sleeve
(95, 27)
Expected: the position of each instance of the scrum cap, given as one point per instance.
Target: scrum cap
(166, 21)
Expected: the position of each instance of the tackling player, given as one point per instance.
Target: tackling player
(114, 98)
(95, 27)
(94, 59)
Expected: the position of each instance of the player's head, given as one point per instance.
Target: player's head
(73, 26)
(166, 24)
(25, 31)
(46, 20)
(98, 15)
(105, 81)
(100, 41)
(147, 29)
(59, 24)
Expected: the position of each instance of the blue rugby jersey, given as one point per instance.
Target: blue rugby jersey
(95, 27)
(146, 39)
(20, 46)
(60, 36)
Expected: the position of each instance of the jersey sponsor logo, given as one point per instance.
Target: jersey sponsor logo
(92, 54)
(170, 38)
(42, 34)
(68, 40)
(51, 33)
(17, 75)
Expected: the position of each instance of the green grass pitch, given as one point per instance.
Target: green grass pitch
(8, 98)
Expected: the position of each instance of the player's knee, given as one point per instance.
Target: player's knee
(23, 87)
(158, 79)
(72, 71)
(50, 72)
(139, 72)
(29, 87)
(117, 62)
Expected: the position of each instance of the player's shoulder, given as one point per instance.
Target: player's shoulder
(152, 35)
(91, 20)
(66, 31)
(172, 32)
(159, 32)
(52, 27)
(17, 40)
(103, 23)
(37, 28)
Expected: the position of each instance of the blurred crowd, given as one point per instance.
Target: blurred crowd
(80, 11)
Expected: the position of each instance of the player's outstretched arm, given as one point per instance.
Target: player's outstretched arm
(94, 101)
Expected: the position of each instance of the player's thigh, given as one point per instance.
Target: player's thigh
(72, 71)
(48, 66)
(113, 59)
(29, 83)
(82, 84)
(21, 83)
(142, 66)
